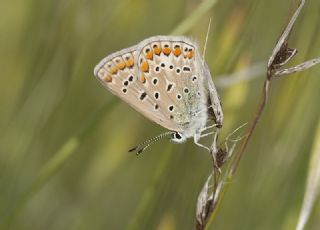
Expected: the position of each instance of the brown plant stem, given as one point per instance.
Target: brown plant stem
(261, 106)
(280, 56)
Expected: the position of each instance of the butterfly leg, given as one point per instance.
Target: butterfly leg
(196, 139)
(209, 127)
(207, 134)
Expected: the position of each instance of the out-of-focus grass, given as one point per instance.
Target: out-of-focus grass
(72, 143)
(51, 167)
(48, 94)
(194, 17)
(312, 192)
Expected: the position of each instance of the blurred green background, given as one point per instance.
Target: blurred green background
(64, 138)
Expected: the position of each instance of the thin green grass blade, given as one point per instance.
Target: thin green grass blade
(144, 205)
(311, 195)
(193, 18)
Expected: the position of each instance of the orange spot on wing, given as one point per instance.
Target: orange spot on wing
(177, 52)
(129, 62)
(142, 78)
(121, 65)
(157, 50)
(107, 78)
(114, 70)
(190, 54)
(149, 55)
(144, 66)
(166, 51)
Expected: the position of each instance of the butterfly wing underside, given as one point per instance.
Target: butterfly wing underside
(174, 79)
(162, 78)
(214, 100)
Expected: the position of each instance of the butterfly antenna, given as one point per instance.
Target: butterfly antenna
(236, 130)
(206, 41)
(144, 145)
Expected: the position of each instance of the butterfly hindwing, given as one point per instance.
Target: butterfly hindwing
(173, 72)
(164, 78)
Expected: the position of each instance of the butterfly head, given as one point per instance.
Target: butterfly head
(178, 137)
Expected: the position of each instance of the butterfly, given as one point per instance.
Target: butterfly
(165, 79)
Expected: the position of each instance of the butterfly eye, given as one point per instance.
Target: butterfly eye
(177, 135)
